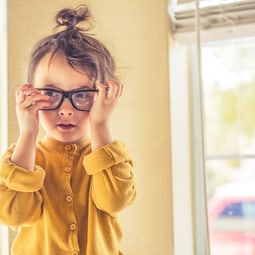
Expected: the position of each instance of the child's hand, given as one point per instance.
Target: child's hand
(101, 112)
(28, 101)
(106, 102)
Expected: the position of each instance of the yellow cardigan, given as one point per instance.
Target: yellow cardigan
(69, 204)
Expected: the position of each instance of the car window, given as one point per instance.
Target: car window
(236, 217)
(239, 209)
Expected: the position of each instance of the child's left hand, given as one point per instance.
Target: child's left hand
(106, 102)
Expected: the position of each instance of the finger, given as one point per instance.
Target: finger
(39, 105)
(24, 92)
(103, 89)
(32, 99)
(115, 88)
(23, 87)
(120, 90)
(20, 95)
(27, 102)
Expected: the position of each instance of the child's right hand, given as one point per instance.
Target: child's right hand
(28, 101)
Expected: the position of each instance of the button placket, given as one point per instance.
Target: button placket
(71, 218)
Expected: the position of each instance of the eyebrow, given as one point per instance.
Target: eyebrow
(52, 86)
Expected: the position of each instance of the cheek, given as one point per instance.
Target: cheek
(82, 119)
(46, 117)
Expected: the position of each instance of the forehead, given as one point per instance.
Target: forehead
(55, 71)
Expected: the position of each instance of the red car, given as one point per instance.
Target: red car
(232, 220)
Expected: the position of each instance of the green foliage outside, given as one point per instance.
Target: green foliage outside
(229, 100)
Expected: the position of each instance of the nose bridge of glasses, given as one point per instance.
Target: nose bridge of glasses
(67, 94)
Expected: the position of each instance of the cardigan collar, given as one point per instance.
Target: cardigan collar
(58, 145)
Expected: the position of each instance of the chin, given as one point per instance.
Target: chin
(71, 139)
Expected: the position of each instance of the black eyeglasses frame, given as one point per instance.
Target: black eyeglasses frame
(68, 95)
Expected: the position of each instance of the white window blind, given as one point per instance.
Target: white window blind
(218, 19)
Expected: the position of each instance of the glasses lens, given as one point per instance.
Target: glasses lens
(54, 99)
(84, 100)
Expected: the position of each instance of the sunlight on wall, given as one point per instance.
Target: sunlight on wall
(140, 44)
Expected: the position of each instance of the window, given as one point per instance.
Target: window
(229, 89)
(207, 120)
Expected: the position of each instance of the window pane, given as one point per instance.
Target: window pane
(229, 90)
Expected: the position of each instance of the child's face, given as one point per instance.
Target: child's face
(65, 124)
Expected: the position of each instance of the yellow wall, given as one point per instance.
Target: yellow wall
(136, 31)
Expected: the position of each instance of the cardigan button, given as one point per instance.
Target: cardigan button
(68, 169)
(75, 253)
(68, 147)
(73, 227)
(69, 199)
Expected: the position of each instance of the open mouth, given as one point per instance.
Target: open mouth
(66, 126)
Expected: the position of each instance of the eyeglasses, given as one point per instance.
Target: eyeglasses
(81, 100)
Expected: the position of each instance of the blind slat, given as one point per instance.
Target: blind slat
(221, 15)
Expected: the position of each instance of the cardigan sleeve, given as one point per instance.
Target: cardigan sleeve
(113, 184)
(20, 198)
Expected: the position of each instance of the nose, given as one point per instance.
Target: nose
(66, 108)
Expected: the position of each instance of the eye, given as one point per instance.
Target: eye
(83, 100)
(54, 96)
(50, 93)
(82, 95)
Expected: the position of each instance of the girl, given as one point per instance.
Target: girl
(64, 192)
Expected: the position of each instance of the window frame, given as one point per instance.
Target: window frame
(3, 77)
(187, 163)
(4, 231)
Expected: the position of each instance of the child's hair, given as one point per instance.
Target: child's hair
(81, 51)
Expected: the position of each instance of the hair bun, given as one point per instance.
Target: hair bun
(71, 17)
